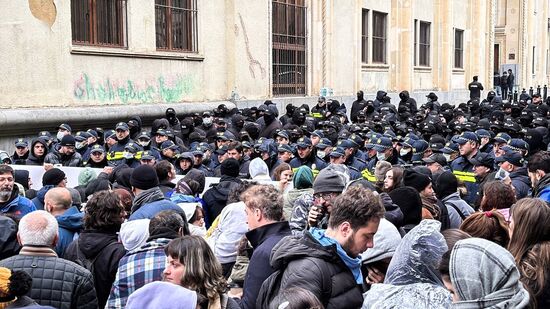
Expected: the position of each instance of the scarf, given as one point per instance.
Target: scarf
(354, 264)
(430, 203)
(147, 196)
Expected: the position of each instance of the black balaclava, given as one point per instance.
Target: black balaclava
(171, 115)
(360, 95)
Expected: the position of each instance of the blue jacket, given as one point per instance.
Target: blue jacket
(521, 182)
(70, 223)
(149, 210)
(263, 239)
(464, 171)
(17, 205)
(38, 201)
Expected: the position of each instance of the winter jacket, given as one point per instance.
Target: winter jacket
(458, 209)
(32, 159)
(393, 212)
(542, 188)
(307, 264)
(17, 205)
(226, 236)
(379, 99)
(149, 210)
(115, 155)
(464, 171)
(408, 102)
(56, 282)
(521, 182)
(38, 201)
(290, 198)
(104, 249)
(215, 198)
(298, 219)
(9, 246)
(312, 162)
(55, 157)
(70, 224)
(263, 239)
(137, 268)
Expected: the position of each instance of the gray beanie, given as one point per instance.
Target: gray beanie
(331, 179)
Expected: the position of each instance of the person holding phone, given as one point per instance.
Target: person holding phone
(327, 186)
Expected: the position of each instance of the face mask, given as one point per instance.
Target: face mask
(207, 121)
(79, 145)
(381, 156)
(144, 143)
(447, 157)
(502, 174)
(127, 155)
(404, 152)
(321, 154)
(60, 135)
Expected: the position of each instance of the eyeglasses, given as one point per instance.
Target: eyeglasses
(327, 196)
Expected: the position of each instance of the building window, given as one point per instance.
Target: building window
(415, 42)
(424, 44)
(379, 37)
(459, 49)
(289, 47)
(176, 25)
(99, 22)
(365, 37)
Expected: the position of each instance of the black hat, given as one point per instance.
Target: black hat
(68, 140)
(97, 148)
(53, 177)
(416, 180)
(122, 126)
(21, 143)
(144, 177)
(147, 155)
(409, 201)
(230, 167)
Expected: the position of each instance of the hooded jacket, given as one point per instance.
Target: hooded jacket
(521, 182)
(38, 201)
(32, 158)
(542, 188)
(412, 276)
(70, 223)
(134, 132)
(485, 275)
(9, 246)
(307, 264)
(215, 198)
(104, 247)
(17, 205)
(408, 102)
(379, 99)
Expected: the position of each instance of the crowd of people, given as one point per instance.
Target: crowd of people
(387, 205)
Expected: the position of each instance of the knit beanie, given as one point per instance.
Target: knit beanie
(410, 203)
(446, 184)
(5, 275)
(230, 167)
(416, 180)
(53, 177)
(380, 170)
(86, 176)
(144, 177)
(303, 178)
(329, 180)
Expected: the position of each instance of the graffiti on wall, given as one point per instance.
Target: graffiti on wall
(159, 90)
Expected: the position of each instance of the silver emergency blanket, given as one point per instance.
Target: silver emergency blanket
(412, 280)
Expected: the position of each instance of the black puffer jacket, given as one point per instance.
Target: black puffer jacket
(318, 269)
(108, 250)
(74, 160)
(56, 282)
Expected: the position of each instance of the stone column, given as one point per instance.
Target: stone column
(401, 57)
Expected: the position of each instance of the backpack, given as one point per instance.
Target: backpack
(85, 262)
(271, 286)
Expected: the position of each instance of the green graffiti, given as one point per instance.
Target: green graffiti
(108, 91)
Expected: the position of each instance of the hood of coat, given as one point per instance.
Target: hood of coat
(92, 242)
(71, 219)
